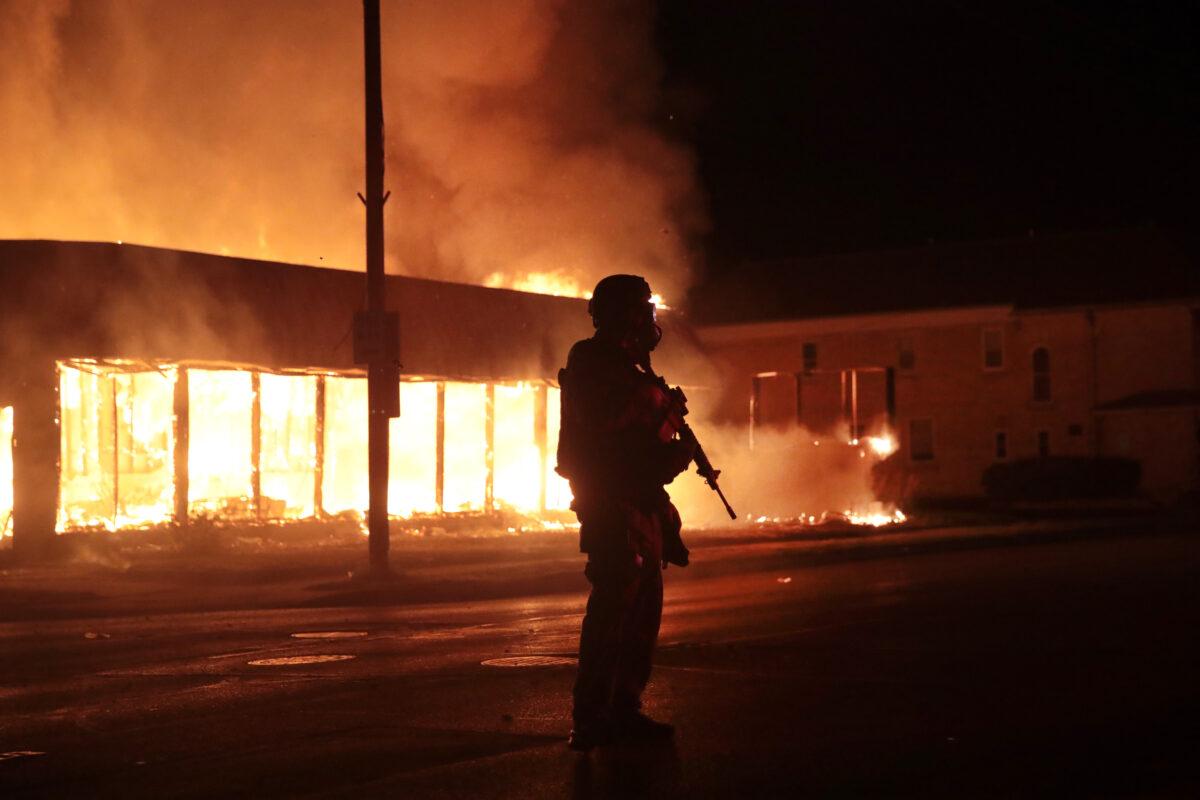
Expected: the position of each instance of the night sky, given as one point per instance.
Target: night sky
(844, 125)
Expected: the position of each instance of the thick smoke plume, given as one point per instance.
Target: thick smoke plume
(788, 475)
(521, 138)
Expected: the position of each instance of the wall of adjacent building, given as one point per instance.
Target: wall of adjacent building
(1095, 356)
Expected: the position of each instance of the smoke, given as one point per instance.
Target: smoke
(520, 134)
(789, 474)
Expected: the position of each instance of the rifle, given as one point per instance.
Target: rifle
(673, 422)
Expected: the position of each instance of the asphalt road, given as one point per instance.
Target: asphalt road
(1033, 669)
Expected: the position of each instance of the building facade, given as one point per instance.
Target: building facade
(141, 386)
(965, 388)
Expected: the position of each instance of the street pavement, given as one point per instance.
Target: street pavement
(969, 663)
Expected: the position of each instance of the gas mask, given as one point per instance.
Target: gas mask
(646, 332)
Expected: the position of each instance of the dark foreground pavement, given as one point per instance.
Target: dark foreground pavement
(1028, 667)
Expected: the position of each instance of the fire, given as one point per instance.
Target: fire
(6, 470)
(220, 448)
(261, 445)
(275, 447)
(288, 460)
(883, 445)
(559, 284)
(874, 516)
(117, 445)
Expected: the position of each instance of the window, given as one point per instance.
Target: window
(993, 349)
(1041, 375)
(1001, 445)
(920, 439)
(809, 352)
(1043, 444)
(908, 356)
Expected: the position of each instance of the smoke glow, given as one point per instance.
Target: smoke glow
(520, 137)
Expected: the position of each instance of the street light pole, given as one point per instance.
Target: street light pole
(376, 334)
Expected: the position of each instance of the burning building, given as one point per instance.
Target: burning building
(143, 386)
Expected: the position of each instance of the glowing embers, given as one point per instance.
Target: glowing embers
(288, 455)
(6, 470)
(220, 458)
(117, 446)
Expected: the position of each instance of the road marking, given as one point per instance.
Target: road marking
(329, 635)
(289, 661)
(529, 661)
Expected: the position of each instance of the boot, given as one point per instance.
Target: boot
(636, 726)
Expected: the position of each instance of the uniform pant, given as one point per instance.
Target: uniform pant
(616, 645)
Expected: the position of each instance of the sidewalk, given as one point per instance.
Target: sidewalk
(254, 567)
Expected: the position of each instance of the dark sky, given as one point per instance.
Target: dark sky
(839, 125)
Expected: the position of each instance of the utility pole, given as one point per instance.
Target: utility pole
(376, 331)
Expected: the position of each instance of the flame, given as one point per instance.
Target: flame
(6, 470)
(116, 464)
(220, 461)
(876, 518)
(875, 515)
(118, 447)
(559, 284)
(288, 425)
(883, 445)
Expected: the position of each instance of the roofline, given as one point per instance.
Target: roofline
(917, 318)
(887, 320)
(391, 276)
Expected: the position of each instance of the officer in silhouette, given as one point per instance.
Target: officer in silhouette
(612, 451)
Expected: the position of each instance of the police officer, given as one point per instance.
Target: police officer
(611, 450)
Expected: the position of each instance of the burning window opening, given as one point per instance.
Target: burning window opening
(241, 443)
(274, 446)
(220, 457)
(288, 435)
(6, 471)
(117, 444)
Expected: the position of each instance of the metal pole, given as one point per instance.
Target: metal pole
(377, 368)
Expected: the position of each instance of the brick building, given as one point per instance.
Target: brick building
(1089, 346)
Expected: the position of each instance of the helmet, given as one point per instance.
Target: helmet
(615, 296)
(622, 303)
